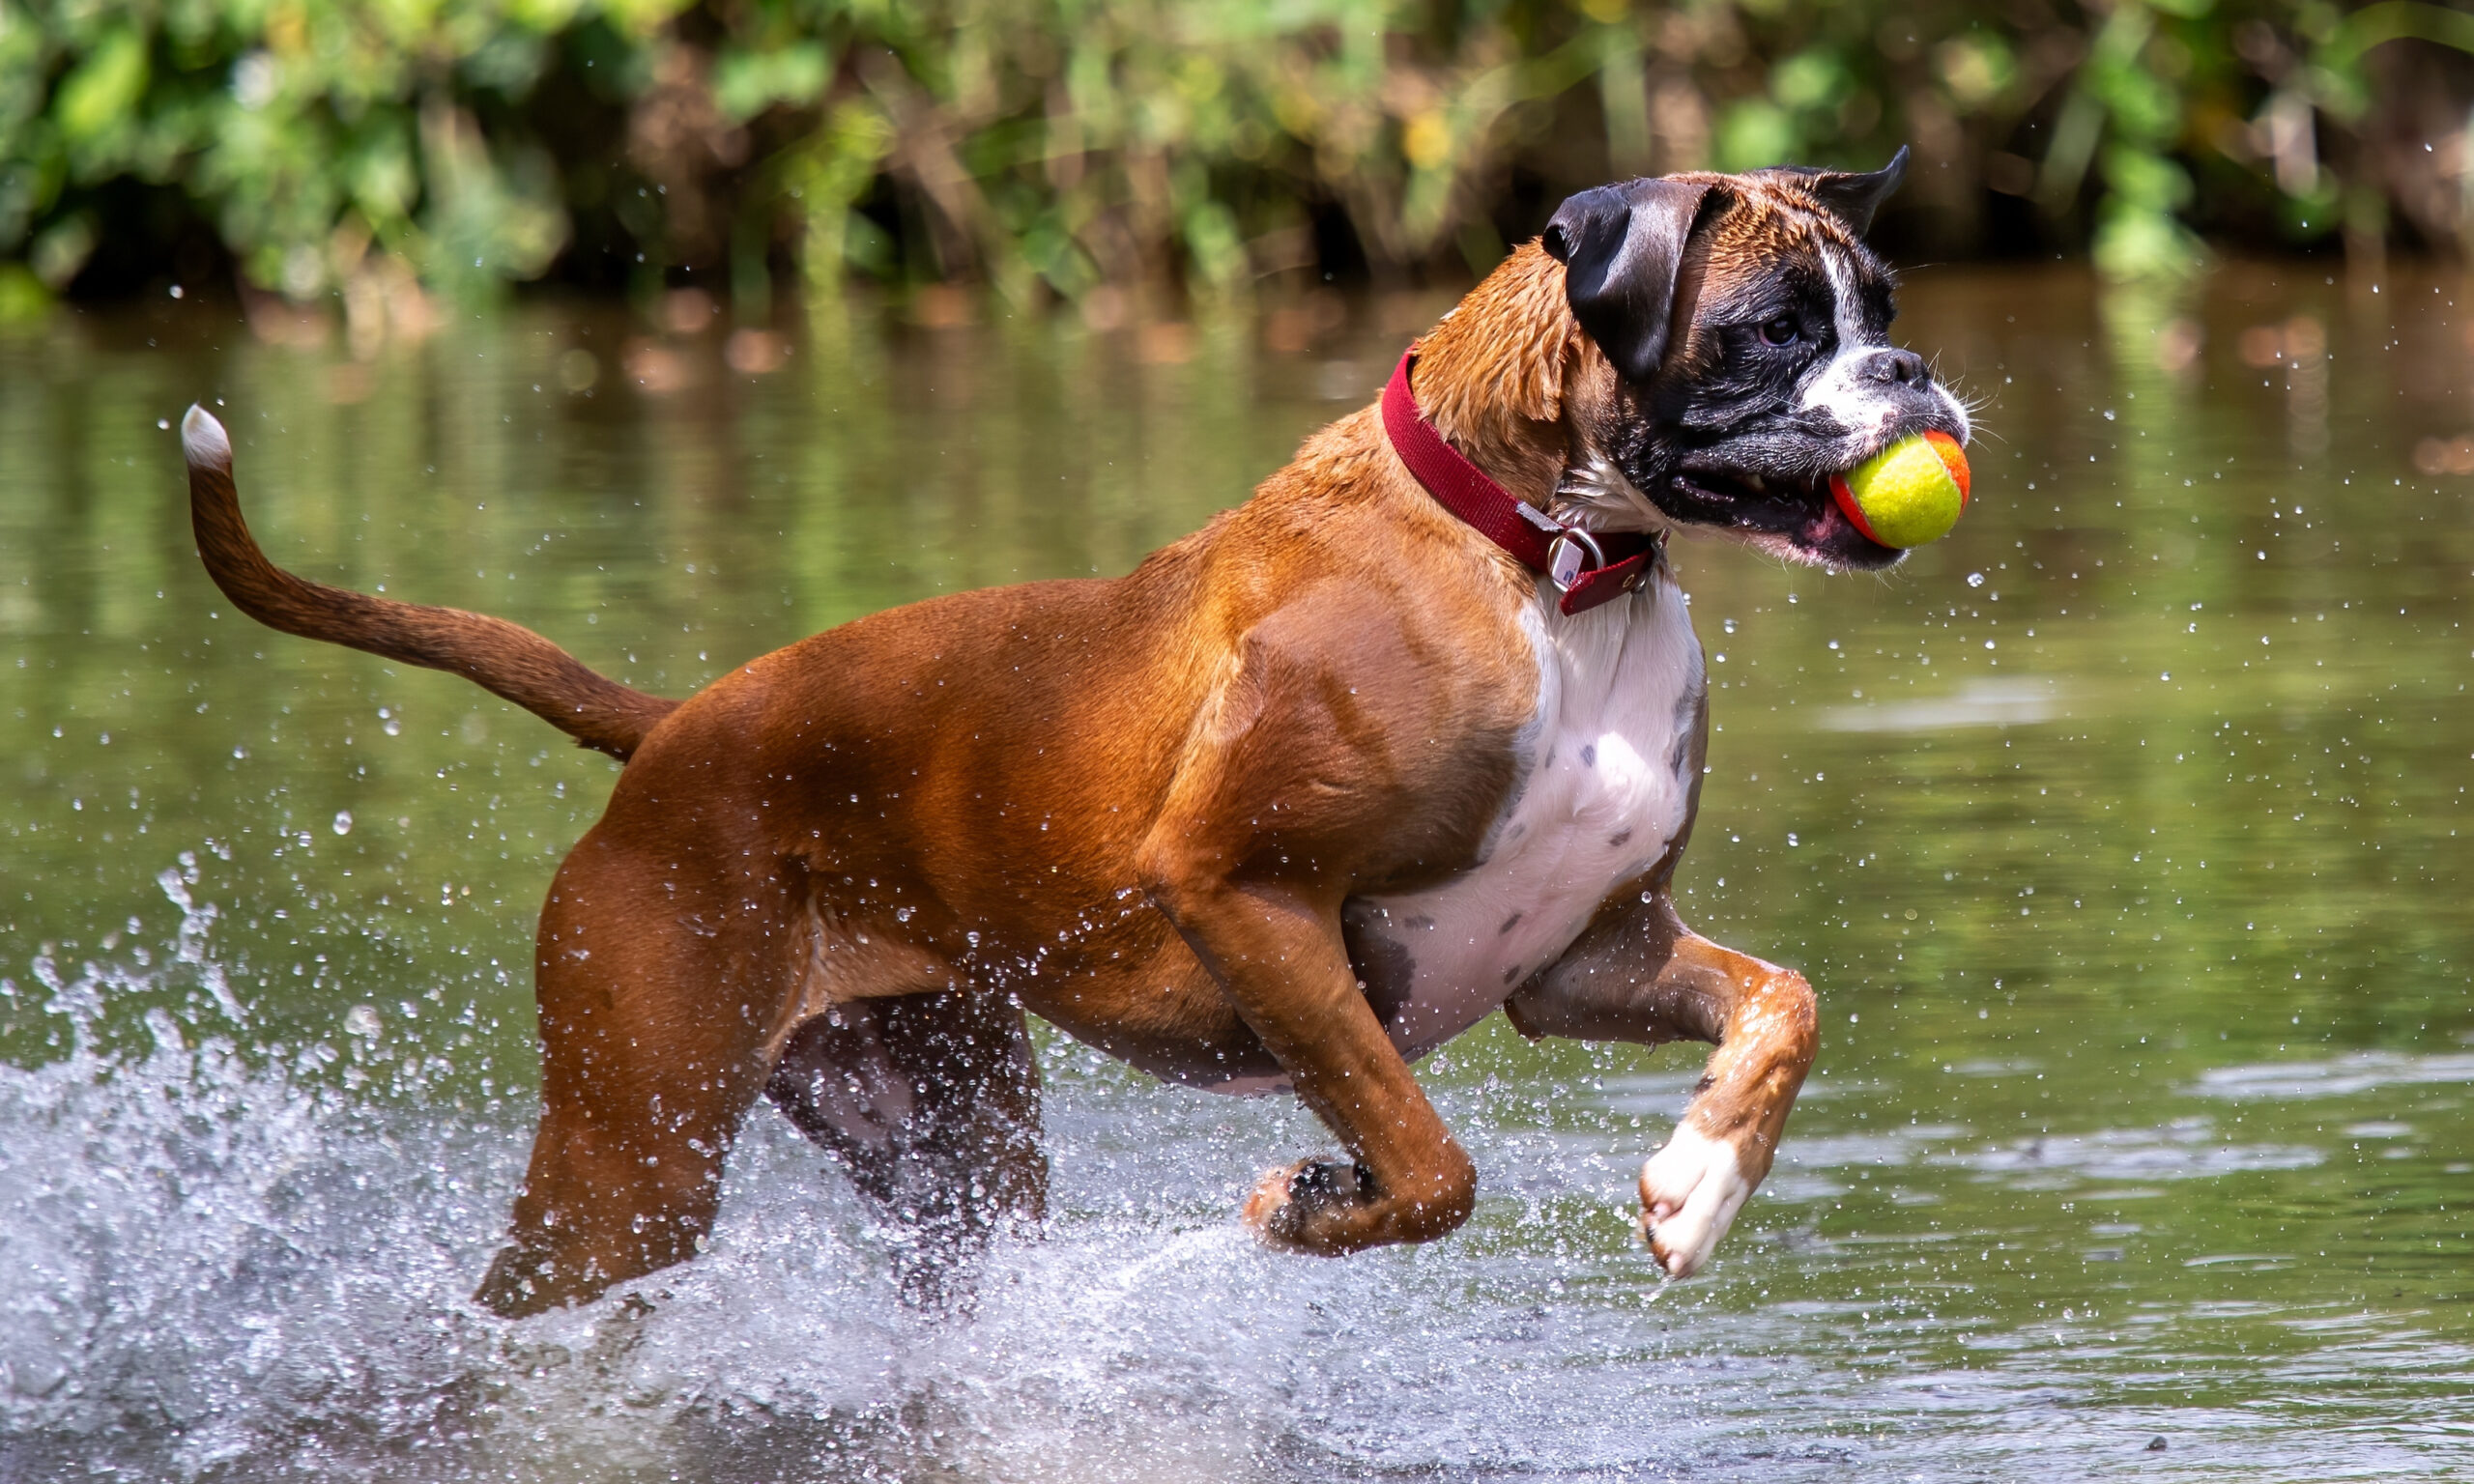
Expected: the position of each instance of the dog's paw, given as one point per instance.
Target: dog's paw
(1690, 1192)
(1270, 1194)
(1282, 1208)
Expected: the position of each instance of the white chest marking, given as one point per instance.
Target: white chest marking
(1608, 766)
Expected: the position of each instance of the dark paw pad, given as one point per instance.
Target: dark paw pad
(1328, 1183)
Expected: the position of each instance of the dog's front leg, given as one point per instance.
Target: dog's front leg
(1272, 812)
(1279, 957)
(1638, 974)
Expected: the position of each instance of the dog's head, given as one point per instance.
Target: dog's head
(1743, 328)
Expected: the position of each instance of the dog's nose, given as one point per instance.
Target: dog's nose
(1903, 368)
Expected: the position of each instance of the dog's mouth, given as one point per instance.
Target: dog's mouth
(1789, 515)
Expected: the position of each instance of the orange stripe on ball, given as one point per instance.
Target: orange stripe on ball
(1855, 513)
(1955, 459)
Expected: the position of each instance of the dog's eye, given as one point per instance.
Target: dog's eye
(1780, 332)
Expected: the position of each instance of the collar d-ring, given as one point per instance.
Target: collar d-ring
(1564, 557)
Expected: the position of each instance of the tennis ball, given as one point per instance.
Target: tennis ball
(1908, 494)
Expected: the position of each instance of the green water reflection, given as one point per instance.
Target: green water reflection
(2120, 831)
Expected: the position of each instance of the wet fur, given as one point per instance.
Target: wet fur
(1157, 810)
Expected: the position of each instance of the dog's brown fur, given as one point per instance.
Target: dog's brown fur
(1134, 807)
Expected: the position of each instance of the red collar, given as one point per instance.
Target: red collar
(1588, 567)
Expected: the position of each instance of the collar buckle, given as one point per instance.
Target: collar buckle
(1564, 554)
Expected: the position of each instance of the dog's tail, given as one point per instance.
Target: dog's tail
(501, 657)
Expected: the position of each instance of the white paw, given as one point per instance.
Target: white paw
(1690, 1192)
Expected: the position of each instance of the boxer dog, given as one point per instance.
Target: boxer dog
(1413, 734)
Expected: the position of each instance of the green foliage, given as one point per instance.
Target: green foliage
(1052, 147)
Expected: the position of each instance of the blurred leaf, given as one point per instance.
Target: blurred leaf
(24, 299)
(2135, 241)
(824, 175)
(1809, 79)
(1976, 68)
(507, 62)
(2147, 180)
(488, 221)
(746, 83)
(1753, 133)
(61, 250)
(1211, 235)
(100, 97)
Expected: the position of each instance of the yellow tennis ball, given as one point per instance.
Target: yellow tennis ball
(1908, 494)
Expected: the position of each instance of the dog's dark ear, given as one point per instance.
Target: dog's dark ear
(1851, 196)
(1621, 247)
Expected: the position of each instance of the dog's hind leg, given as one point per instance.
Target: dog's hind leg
(931, 1102)
(661, 975)
(1638, 974)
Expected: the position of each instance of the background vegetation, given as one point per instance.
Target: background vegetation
(1128, 153)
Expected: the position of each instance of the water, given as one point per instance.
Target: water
(2118, 831)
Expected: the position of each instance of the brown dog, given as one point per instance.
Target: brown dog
(1298, 799)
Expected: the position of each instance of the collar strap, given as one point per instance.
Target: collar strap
(1587, 567)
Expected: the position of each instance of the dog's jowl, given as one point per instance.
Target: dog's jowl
(1414, 734)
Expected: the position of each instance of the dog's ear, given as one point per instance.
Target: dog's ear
(1851, 196)
(1621, 247)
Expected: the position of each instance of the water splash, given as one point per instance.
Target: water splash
(220, 1264)
(189, 945)
(232, 1262)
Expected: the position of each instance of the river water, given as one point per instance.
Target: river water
(2119, 832)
